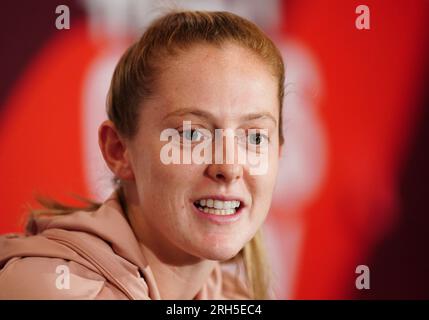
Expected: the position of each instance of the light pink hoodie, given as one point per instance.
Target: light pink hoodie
(103, 258)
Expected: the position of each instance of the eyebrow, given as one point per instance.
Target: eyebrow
(260, 115)
(208, 115)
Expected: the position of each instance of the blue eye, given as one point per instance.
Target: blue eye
(257, 138)
(192, 135)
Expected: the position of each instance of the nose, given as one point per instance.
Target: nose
(225, 173)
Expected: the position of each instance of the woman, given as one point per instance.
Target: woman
(169, 231)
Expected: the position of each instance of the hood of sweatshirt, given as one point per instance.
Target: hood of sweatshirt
(103, 241)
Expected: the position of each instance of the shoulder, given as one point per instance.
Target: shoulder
(52, 278)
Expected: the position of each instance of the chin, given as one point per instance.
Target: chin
(220, 253)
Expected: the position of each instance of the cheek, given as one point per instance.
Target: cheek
(167, 184)
(262, 187)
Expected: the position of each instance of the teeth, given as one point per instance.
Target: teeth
(219, 204)
(219, 212)
(218, 207)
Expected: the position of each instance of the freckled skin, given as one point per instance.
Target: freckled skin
(228, 82)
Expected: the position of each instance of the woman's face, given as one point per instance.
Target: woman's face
(214, 88)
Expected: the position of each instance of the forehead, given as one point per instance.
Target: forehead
(227, 80)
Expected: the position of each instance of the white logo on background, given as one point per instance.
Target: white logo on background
(362, 281)
(362, 21)
(63, 278)
(195, 146)
(63, 20)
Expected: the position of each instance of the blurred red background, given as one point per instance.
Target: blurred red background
(353, 184)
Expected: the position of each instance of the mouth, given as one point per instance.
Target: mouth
(219, 207)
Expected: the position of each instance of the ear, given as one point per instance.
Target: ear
(115, 151)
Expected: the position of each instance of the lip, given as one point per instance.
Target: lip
(218, 219)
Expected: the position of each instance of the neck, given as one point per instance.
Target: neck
(178, 281)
